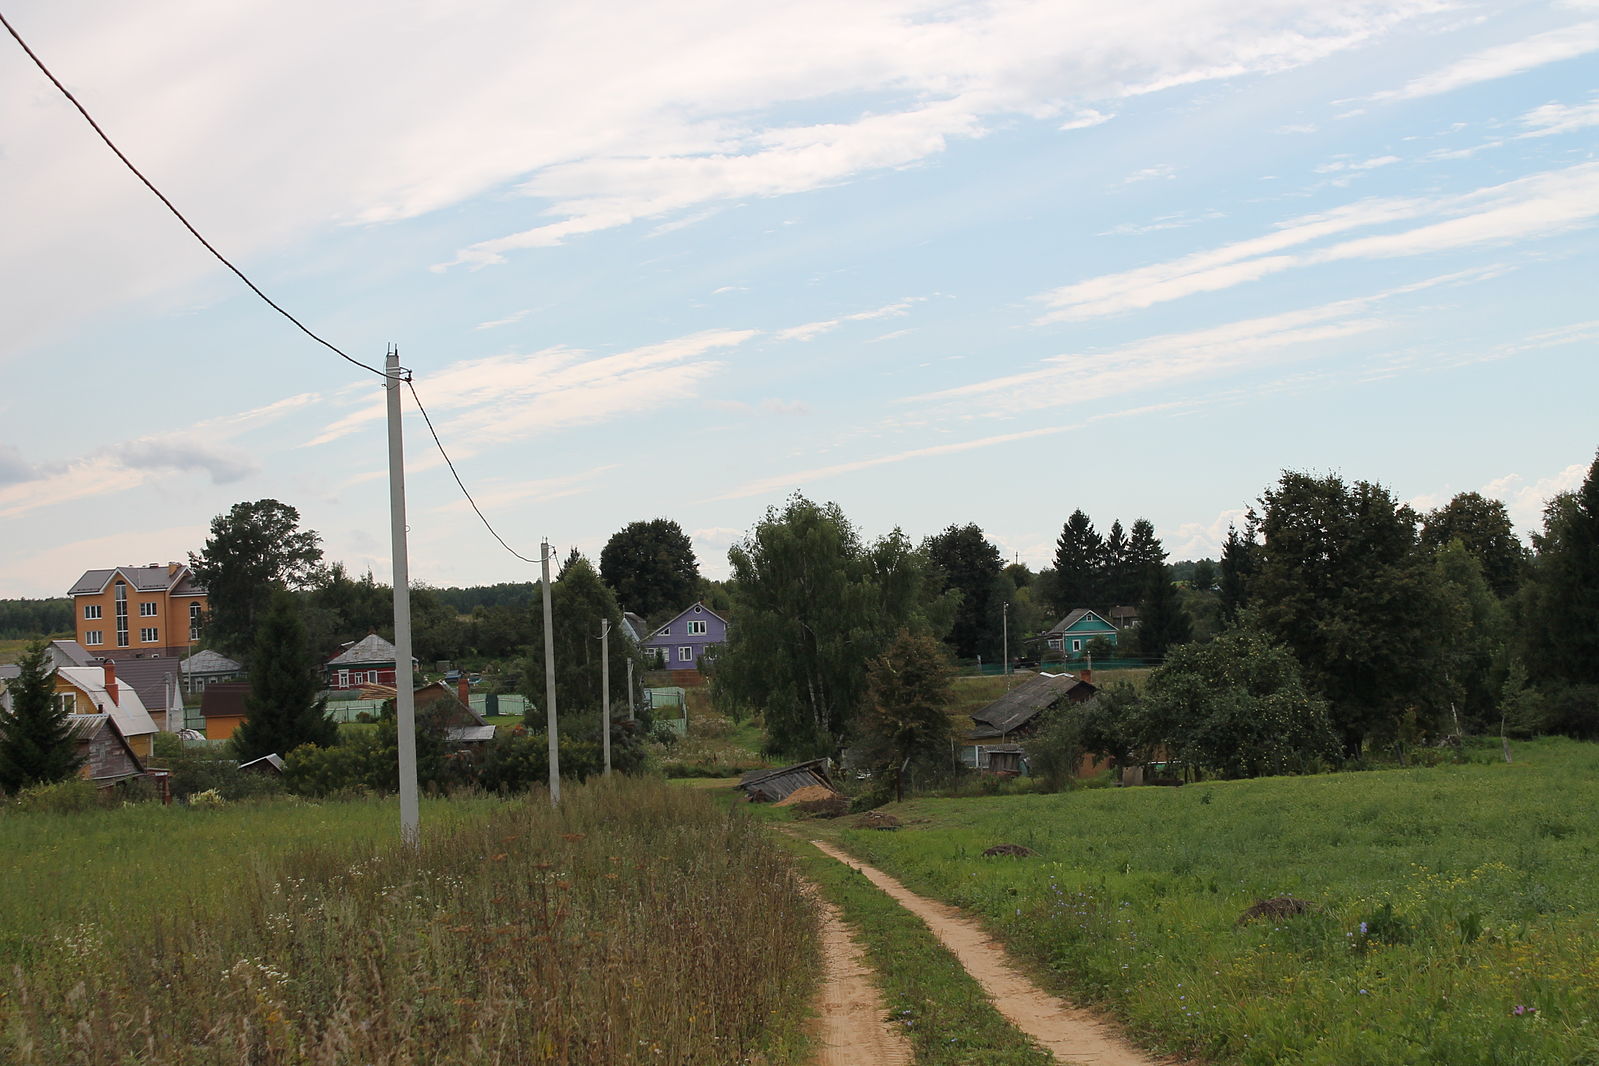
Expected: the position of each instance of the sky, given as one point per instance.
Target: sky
(938, 262)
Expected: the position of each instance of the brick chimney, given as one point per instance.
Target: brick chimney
(463, 690)
(1086, 675)
(111, 689)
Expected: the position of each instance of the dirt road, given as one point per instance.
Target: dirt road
(1072, 1034)
(851, 1029)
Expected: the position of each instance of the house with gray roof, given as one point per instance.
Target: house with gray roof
(369, 661)
(998, 728)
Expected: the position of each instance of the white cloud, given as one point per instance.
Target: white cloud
(1085, 119)
(1528, 208)
(1502, 61)
(1339, 165)
(1202, 540)
(812, 330)
(1554, 118)
(51, 571)
(1160, 171)
(538, 490)
(508, 320)
(516, 396)
(1525, 500)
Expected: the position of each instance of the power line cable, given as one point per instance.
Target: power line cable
(254, 288)
(171, 207)
(440, 444)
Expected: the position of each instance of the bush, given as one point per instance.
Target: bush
(209, 769)
(62, 797)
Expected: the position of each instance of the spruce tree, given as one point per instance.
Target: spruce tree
(1078, 555)
(283, 710)
(1163, 622)
(36, 745)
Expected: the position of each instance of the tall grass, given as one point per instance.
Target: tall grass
(638, 923)
(1455, 909)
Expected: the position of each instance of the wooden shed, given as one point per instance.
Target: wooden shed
(106, 756)
(769, 786)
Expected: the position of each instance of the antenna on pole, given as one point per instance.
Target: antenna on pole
(404, 696)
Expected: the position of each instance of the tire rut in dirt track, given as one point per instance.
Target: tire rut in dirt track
(851, 1029)
(1072, 1034)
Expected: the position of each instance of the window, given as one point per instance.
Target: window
(122, 614)
(696, 629)
(344, 679)
(685, 654)
(66, 702)
(665, 631)
(1077, 645)
(150, 635)
(194, 621)
(91, 611)
(371, 677)
(94, 636)
(148, 609)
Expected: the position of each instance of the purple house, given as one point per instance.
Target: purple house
(684, 639)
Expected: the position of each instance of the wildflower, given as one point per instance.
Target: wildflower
(1362, 928)
(1521, 1009)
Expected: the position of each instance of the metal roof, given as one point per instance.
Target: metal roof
(210, 662)
(128, 709)
(369, 649)
(156, 578)
(778, 784)
(1023, 703)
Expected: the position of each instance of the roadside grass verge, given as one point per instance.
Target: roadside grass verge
(1454, 918)
(941, 1007)
(638, 923)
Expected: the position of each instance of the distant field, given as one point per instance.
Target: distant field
(1454, 911)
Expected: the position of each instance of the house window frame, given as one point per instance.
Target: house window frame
(685, 653)
(697, 627)
(343, 679)
(149, 609)
(373, 677)
(66, 702)
(120, 595)
(91, 612)
(1077, 644)
(93, 636)
(194, 621)
(149, 634)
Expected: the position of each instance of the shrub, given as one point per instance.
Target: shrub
(62, 797)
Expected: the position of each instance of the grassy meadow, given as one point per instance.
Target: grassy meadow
(1454, 910)
(640, 922)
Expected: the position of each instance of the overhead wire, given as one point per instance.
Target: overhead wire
(148, 184)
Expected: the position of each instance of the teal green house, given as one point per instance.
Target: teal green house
(1070, 636)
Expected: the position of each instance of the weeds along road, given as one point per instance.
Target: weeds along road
(1071, 1034)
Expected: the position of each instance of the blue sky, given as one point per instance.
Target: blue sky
(939, 262)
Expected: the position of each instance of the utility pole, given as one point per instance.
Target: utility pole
(605, 687)
(404, 695)
(549, 682)
(1005, 629)
(630, 688)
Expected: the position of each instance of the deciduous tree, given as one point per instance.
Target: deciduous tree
(970, 565)
(1344, 582)
(36, 744)
(651, 568)
(253, 550)
(812, 607)
(579, 602)
(1483, 526)
(909, 687)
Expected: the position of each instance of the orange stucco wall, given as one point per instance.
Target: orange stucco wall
(221, 727)
(171, 620)
(140, 744)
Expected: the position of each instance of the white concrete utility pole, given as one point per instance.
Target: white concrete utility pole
(605, 687)
(549, 683)
(404, 696)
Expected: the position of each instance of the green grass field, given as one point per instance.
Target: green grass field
(639, 923)
(1455, 910)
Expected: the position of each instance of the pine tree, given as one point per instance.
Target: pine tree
(36, 745)
(282, 709)
(1117, 583)
(1145, 558)
(1078, 553)
(1163, 623)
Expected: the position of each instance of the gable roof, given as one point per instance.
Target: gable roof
(152, 578)
(690, 609)
(369, 649)
(154, 679)
(85, 730)
(634, 626)
(207, 661)
(1024, 703)
(62, 653)
(1076, 617)
(128, 709)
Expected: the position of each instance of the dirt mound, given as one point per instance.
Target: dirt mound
(832, 807)
(877, 820)
(1275, 909)
(1018, 851)
(808, 794)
